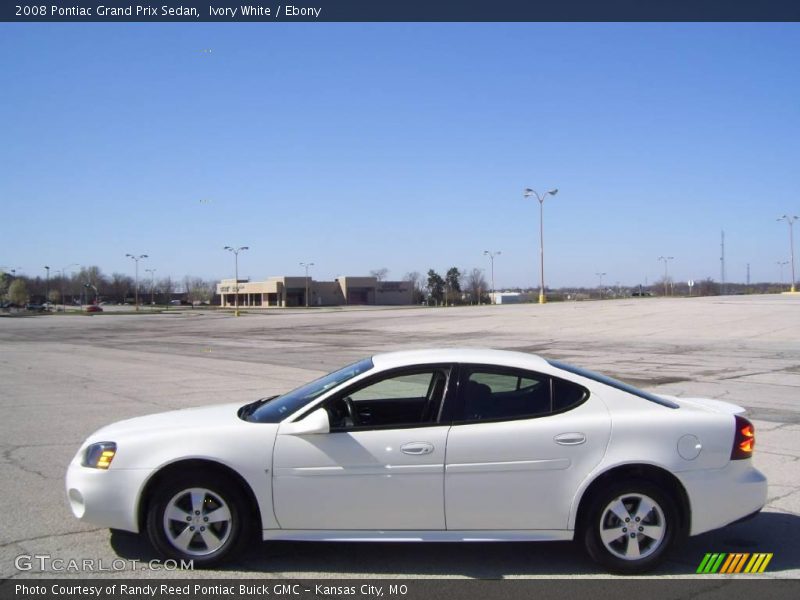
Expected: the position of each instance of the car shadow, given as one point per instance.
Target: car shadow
(768, 532)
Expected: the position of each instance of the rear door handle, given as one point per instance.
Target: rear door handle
(570, 439)
(416, 448)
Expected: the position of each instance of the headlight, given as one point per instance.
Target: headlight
(100, 455)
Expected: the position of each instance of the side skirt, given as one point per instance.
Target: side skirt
(311, 535)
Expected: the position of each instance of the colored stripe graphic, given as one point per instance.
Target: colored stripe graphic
(724, 563)
(758, 563)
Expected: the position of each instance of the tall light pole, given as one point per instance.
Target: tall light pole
(790, 220)
(666, 259)
(47, 287)
(307, 266)
(527, 194)
(152, 285)
(136, 259)
(600, 275)
(491, 256)
(236, 273)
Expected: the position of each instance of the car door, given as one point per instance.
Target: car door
(380, 467)
(520, 446)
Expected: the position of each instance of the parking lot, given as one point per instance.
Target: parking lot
(63, 376)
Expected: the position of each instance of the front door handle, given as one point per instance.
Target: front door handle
(570, 439)
(416, 448)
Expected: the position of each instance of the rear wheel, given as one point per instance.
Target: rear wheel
(198, 518)
(630, 526)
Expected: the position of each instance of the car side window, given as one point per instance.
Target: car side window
(494, 394)
(399, 399)
(567, 395)
(499, 393)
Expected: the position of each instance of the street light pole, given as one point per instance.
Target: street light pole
(47, 287)
(152, 286)
(236, 273)
(600, 275)
(136, 259)
(666, 275)
(491, 256)
(790, 220)
(527, 194)
(306, 265)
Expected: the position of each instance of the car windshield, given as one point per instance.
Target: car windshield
(276, 409)
(615, 383)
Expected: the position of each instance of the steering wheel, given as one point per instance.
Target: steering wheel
(351, 410)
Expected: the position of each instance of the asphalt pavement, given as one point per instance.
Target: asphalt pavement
(64, 376)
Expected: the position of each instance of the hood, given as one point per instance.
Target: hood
(218, 415)
(717, 406)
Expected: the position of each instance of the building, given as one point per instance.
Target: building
(291, 291)
(506, 297)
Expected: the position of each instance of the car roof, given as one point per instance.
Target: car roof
(487, 356)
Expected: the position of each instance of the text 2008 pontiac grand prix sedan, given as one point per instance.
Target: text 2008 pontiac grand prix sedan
(430, 445)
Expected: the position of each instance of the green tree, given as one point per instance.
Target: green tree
(453, 279)
(3, 285)
(18, 292)
(453, 283)
(55, 297)
(435, 286)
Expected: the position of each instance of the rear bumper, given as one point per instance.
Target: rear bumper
(718, 497)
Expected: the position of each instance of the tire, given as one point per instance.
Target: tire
(199, 518)
(638, 544)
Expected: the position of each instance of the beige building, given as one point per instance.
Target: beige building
(291, 291)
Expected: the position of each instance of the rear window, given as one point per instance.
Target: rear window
(615, 383)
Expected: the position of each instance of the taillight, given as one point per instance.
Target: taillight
(744, 439)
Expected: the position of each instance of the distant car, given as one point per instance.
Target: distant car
(434, 445)
(33, 307)
(93, 308)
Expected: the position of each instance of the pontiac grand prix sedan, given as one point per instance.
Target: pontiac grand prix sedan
(430, 445)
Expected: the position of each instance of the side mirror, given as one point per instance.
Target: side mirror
(316, 422)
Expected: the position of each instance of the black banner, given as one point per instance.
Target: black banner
(712, 588)
(399, 10)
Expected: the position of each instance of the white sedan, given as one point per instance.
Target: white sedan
(432, 445)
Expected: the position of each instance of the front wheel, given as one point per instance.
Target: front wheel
(630, 526)
(196, 519)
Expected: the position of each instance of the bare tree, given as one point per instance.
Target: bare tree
(379, 274)
(198, 290)
(418, 283)
(121, 286)
(165, 288)
(477, 286)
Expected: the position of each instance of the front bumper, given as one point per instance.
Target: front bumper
(106, 498)
(718, 497)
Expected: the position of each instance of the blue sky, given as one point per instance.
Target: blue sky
(405, 146)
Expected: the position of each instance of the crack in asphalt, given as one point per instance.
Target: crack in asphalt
(51, 536)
